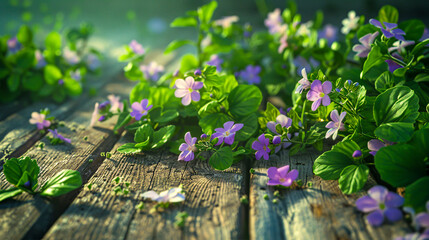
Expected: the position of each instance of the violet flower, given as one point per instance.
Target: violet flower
(226, 22)
(319, 94)
(188, 90)
(261, 147)
(188, 148)
(215, 61)
(390, 29)
(329, 32)
(71, 57)
(350, 23)
(76, 75)
(227, 133)
(422, 219)
(281, 176)
(93, 62)
(55, 134)
(382, 204)
(415, 236)
(152, 71)
(136, 47)
(274, 22)
(13, 45)
(364, 48)
(303, 83)
(400, 46)
(251, 74)
(140, 109)
(40, 59)
(393, 65)
(284, 122)
(374, 145)
(39, 120)
(173, 195)
(61, 82)
(357, 154)
(335, 125)
(115, 104)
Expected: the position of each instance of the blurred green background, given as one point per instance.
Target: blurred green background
(117, 22)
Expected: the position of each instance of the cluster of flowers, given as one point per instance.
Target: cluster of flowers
(105, 110)
(42, 122)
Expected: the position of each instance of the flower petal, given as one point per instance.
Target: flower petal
(326, 100)
(327, 87)
(422, 219)
(316, 85)
(272, 126)
(378, 193)
(283, 171)
(195, 96)
(137, 107)
(316, 104)
(181, 92)
(186, 100)
(393, 200)
(375, 218)
(180, 83)
(375, 145)
(237, 127)
(189, 81)
(230, 139)
(293, 174)
(198, 85)
(367, 204)
(393, 214)
(375, 22)
(228, 125)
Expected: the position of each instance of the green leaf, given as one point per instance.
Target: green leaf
(330, 164)
(388, 14)
(159, 115)
(14, 169)
(413, 29)
(375, 57)
(347, 147)
(395, 132)
(53, 41)
(421, 141)
(32, 82)
(419, 47)
(139, 92)
(25, 35)
(250, 127)
(13, 82)
(72, 86)
(188, 62)
(62, 183)
(123, 119)
(244, 100)
(128, 148)
(177, 44)
(384, 82)
(353, 178)
(222, 158)
(209, 108)
(133, 72)
(205, 12)
(398, 104)
(184, 22)
(143, 133)
(400, 164)
(52, 74)
(229, 84)
(9, 193)
(416, 195)
(162, 136)
(212, 121)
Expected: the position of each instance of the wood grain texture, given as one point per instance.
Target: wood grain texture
(212, 201)
(30, 217)
(317, 212)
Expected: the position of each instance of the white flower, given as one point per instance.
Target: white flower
(226, 22)
(350, 23)
(173, 195)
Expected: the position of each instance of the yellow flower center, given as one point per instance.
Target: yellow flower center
(321, 94)
(282, 180)
(227, 133)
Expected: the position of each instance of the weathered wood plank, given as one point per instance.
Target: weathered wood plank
(28, 217)
(317, 212)
(212, 201)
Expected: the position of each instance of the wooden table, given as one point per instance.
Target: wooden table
(212, 197)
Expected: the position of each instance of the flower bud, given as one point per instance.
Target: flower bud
(197, 72)
(357, 154)
(102, 118)
(203, 136)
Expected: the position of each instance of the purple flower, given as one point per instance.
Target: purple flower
(188, 90)
(174, 195)
(152, 71)
(280, 119)
(227, 133)
(71, 57)
(350, 23)
(55, 134)
(13, 45)
(422, 219)
(215, 61)
(40, 59)
(281, 176)
(389, 30)
(393, 65)
(93, 61)
(357, 154)
(39, 120)
(282, 111)
(400, 46)
(27, 184)
(115, 104)
(319, 94)
(261, 147)
(415, 236)
(335, 125)
(274, 22)
(136, 47)
(364, 48)
(382, 204)
(94, 115)
(283, 43)
(251, 74)
(329, 32)
(102, 118)
(188, 148)
(197, 72)
(374, 145)
(76, 75)
(303, 83)
(226, 22)
(140, 109)
(61, 81)
(203, 136)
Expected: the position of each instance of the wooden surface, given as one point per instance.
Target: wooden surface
(212, 197)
